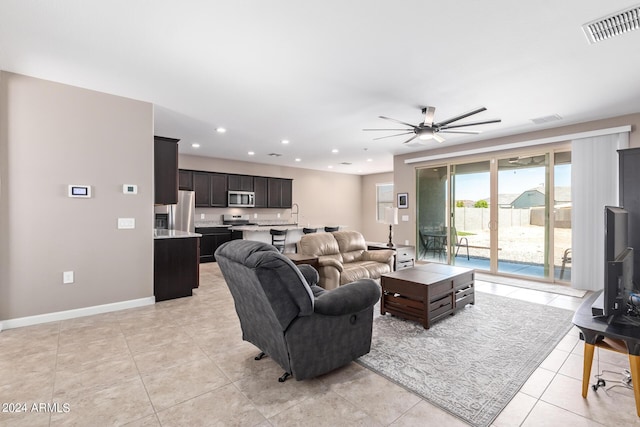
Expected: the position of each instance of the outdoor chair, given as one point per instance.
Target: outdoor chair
(458, 242)
(566, 259)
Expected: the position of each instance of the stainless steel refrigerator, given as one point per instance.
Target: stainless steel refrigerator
(180, 216)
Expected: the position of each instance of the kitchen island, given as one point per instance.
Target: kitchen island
(176, 267)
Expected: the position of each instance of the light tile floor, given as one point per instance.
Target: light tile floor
(183, 363)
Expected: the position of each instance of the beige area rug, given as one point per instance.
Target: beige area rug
(529, 284)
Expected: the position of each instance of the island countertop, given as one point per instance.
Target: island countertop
(160, 233)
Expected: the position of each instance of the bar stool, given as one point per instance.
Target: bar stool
(331, 229)
(306, 230)
(277, 239)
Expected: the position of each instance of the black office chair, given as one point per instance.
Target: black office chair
(277, 239)
(306, 230)
(331, 229)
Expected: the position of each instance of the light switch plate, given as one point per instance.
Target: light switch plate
(126, 223)
(67, 277)
(405, 218)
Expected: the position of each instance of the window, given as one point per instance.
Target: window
(384, 199)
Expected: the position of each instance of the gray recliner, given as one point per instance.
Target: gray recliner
(308, 331)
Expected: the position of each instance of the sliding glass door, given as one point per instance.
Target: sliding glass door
(432, 198)
(508, 215)
(523, 211)
(470, 242)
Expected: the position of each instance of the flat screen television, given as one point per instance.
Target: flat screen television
(618, 264)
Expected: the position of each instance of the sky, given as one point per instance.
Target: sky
(475, 186)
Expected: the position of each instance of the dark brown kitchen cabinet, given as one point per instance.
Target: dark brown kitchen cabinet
(240, 182)
(212, 238)
(185, 180)
(165, 155)
(218, 190)
(287, 193)
(202, 187)
(280, 193)
(175, 267)
(261, 190)
(211, 189)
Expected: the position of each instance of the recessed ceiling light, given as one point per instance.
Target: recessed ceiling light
(285, 141)
(298, 159)
(221, 130)
(330, 167)
(335, 150)
(251, 153)
(195, 145)
(369, 160)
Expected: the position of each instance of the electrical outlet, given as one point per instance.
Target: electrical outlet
(278, 215)
(67, 277)
(255, 215)
(406, 242)
(201, 216)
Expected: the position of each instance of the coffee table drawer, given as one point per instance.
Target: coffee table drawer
(440, 306)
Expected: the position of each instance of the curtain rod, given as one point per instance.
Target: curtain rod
(530, 143)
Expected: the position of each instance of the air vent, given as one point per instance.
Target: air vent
(546, 119)
(346, 163)
(274, 154)
(613, 25)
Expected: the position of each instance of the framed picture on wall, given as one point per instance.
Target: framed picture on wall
(403, 200)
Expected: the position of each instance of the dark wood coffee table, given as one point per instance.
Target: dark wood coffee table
(427, 293)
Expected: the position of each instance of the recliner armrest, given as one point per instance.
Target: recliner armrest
(310, 274)
(350, 298)
(383, 255)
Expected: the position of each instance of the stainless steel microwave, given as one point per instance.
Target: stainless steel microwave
(241, 199)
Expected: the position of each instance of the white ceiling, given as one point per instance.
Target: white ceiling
(318, 72)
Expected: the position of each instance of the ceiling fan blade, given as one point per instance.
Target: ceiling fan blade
(460, 117)
(470, 132)
(410, 139)
(397, 121)
(389, 136)
(438, 137)
(428, 115)
(484, 122)
(388, 129)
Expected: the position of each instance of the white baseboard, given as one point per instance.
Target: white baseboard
(72, 314)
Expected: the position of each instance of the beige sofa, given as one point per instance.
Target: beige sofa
(343, 257)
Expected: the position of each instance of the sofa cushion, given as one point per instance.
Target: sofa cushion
(352, 245)
(353, 271)
(319, 244)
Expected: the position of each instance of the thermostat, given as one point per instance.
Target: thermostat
(129, 189)
(80, 191)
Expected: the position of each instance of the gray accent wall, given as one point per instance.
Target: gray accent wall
(53, 135)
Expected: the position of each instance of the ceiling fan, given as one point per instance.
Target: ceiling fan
(429, 130)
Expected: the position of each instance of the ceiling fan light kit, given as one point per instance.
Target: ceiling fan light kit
(428, 130)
